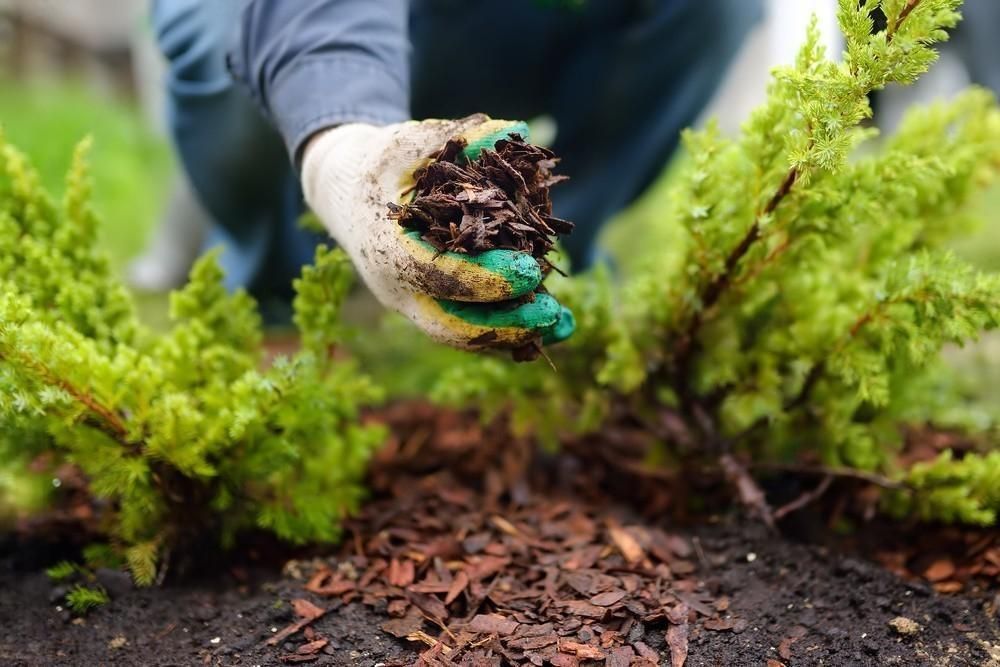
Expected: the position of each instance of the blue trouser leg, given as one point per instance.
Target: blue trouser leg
(235, 159)
(620, 106)
(621, 78)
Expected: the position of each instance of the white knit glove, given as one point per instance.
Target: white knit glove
(350, 173)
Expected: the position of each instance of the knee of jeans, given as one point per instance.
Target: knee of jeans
(193, 36)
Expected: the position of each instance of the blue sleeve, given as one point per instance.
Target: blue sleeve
(311, 64)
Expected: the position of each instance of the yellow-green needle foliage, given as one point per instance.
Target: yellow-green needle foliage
(804, 296)
(181, 435)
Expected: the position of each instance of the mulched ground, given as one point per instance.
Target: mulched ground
(467, 555)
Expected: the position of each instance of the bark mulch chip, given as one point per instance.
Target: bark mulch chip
(499, 200)
(493, 571)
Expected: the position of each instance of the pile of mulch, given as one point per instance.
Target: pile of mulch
(478, 553)
(499, 200)
(534, 579)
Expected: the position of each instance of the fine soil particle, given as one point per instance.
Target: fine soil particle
(475, 551)
(499, 200)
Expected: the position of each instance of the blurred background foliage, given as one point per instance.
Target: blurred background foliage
(131, 165)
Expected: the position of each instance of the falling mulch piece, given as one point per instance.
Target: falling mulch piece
(499, 200)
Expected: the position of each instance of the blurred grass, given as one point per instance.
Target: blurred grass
(130, 165)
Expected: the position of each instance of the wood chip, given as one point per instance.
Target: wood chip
(584, 608)
(620, 657)
(607, 599)
(626, 544)
(564, 660)
(307, 613)
(940, 570)
(458, 585)
(585, 651)
(305, 609)
(493, 624)
(677, 640)
(405, 626)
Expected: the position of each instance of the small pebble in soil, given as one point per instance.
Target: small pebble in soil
(57, 594)
(115, 582)
(905, 626)
(751, 557)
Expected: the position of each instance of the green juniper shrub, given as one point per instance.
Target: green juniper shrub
(183, 434)
(799, 307)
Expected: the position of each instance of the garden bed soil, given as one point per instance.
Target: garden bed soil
(468, 555)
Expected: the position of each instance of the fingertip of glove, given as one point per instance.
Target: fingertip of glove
(536, 315)
(520, 270)
(486, 135)
(564, 327)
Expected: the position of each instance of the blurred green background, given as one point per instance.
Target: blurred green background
(129, 163)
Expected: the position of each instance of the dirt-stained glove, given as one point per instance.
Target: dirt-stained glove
(351, 172)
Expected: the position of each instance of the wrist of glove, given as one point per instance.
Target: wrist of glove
(349, 175)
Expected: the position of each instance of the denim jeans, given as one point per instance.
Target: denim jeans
(620, 78)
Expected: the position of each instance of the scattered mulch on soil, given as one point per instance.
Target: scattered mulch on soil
(530, 578)
(478, 550)
(479, 558)
(499, 200)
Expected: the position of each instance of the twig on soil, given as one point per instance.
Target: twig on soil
(700, 553)
(750, 493)
(836, 472)
(804, 499)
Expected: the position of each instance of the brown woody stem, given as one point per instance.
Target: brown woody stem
(106, 419)
(894, 27)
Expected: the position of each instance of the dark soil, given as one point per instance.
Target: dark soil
(474, 551)
(797, 605)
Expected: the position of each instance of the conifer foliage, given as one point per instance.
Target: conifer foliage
(184, 434)
(796, 308)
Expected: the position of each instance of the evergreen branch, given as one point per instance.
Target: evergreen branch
(711, 294)
(684, 352)
(709, 297)
(771, 258)
(894, 27)
(815, 373)
(107, 420)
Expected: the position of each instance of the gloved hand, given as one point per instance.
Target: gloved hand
(351, 172)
